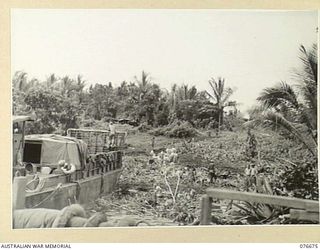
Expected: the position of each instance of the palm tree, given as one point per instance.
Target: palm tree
(80, 84)
(308, 79)
(293, 108)
(276, 120)
(220, 95)
(19, 81)
(180, 94)
(143, 84)
(173, 97)
(184, 92)
(51, 81)
(66, 83)
(148, 97)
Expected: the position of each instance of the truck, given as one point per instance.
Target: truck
(38, 181)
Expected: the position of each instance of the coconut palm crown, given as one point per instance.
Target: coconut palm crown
(293, 108)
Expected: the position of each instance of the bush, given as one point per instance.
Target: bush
(182, 131)
(176, 129)
(87, 123)
(158, 131)
(300, 179)
(144, 127)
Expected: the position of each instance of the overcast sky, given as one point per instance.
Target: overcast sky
(250, 49)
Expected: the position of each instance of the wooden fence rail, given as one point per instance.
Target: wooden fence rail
(301, 208)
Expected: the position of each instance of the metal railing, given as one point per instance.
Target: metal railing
(98, 140)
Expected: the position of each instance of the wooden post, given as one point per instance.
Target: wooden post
(206, 206)
(19, 192)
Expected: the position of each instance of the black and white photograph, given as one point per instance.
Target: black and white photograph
(164, 118)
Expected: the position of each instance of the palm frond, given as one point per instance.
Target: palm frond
(310, 63)
(209, 95)
(280, 95)
(193, 92)
(309, 94)
(308, 77)
(226, 96)
(213, 88)
(307, 117)
(19, 80)
(268, 118)
(220, 94)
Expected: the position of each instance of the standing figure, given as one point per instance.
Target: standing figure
(253, 174)
(247, 173)
(193, 174)
(152, 142)
(112, 134)
(212, 173)
(251, 147)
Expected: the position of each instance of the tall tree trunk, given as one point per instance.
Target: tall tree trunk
(221, 116)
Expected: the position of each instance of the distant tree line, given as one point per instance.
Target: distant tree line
(59, 103)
